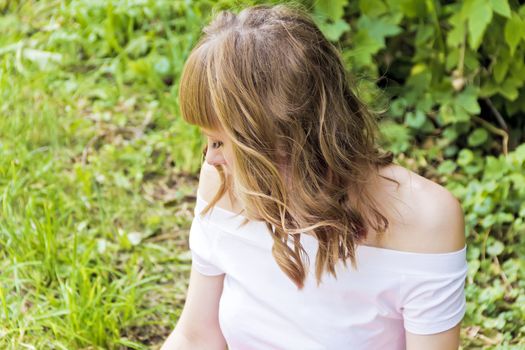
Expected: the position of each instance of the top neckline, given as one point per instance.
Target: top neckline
(225, 216)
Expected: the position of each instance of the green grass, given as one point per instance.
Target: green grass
(94, 212)
(92, 229)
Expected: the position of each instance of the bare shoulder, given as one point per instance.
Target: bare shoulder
(209, 184)
(427, 217)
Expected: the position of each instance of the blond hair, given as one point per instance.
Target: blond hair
(301, 138)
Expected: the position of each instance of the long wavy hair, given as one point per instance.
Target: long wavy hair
(301, 138)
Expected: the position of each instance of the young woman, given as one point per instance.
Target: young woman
(294, 186)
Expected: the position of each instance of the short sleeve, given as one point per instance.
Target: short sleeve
(434, 302)
(201, 246)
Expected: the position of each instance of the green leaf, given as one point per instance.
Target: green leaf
(522, 210)
(447, 167)
(509, 90)
(495, 248)
(427, 127)
(504, 217)
(425, 103)
(446, 115)
(450, 151)
(419, 80)
(364, 48)
(484, 205)
(500, 69)
(519, 153)
(378, 28)
(425, 34)
(455, 36)
(333, 31)
(469, 101)
(411, 8)
(478, 137)
(488, 89)
(450, 133)
(473, 169)
(495, 168)
(513, 32)
(473, 267)
(501, 7)
(488, 221)
(489, 295)
(466, 8)
(396, 136)
(333, 9)
(492, 323)
(397, 107)
(415, 120)
(460, 114)
(372, 8)
(512, 268)
(479, 18)
(465, 157)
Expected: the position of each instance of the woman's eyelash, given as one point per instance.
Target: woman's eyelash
(216, 144)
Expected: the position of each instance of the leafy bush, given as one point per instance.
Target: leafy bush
(492, 191)
(451, 69)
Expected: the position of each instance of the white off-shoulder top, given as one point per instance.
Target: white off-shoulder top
(369, 308)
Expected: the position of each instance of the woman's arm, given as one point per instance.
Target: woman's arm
(443, 228)
(448, 339)
(198, 325)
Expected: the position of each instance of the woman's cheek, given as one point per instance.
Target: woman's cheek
(229, 160)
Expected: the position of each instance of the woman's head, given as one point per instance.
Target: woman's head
(276, 90)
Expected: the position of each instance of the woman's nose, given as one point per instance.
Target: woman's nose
(214, 157)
